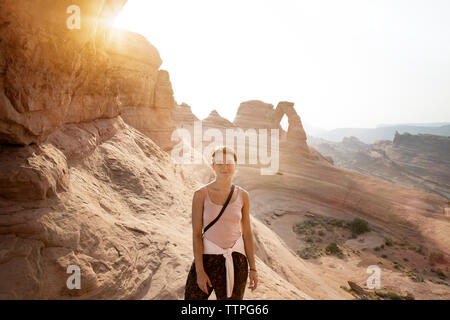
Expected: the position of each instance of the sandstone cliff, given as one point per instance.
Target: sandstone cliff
(50, 74)
(146, 94)
(183, 115)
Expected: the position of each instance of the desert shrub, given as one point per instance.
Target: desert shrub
(310, 252)
(388, 295)
(403, 243)
(300, 228)
(440, 273)
(310, 223)
(420, 251)
(388, 242)
(321, 233)
(305, 228)
(332, 248)
(337, 222)
(414, 277)
(384, 256)
(359, 226)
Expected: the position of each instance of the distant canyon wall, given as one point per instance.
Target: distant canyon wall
(419, 161)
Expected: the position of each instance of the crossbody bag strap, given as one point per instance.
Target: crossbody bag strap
(220, 214)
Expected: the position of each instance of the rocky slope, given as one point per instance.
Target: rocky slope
(106, 198)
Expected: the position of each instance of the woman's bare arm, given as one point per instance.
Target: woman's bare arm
(247, 230)
(247, 235)
(197, 226)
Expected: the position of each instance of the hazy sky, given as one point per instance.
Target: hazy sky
(343, 63)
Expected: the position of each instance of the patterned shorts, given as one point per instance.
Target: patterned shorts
(214, 265)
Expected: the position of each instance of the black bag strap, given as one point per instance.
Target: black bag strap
(221, 211)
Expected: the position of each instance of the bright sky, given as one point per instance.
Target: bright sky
(344, 63)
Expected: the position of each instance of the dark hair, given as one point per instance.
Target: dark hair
(223, 149)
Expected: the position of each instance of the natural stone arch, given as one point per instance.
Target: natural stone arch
(295, 129)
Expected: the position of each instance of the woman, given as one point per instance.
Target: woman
(225, 251)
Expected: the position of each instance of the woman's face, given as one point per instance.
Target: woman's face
(226, 166)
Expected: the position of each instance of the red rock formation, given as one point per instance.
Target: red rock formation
(134, 68)
(50, 74)
(185, 119)
(146, 95)
(183, 115)
(215, 120)
(255, 114)
(296, 133)
(259, 115)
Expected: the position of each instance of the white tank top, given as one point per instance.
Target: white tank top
(227, 230)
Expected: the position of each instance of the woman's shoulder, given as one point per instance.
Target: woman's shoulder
(244, 192)
(200, 191)
(200, 188)
(240, 188)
